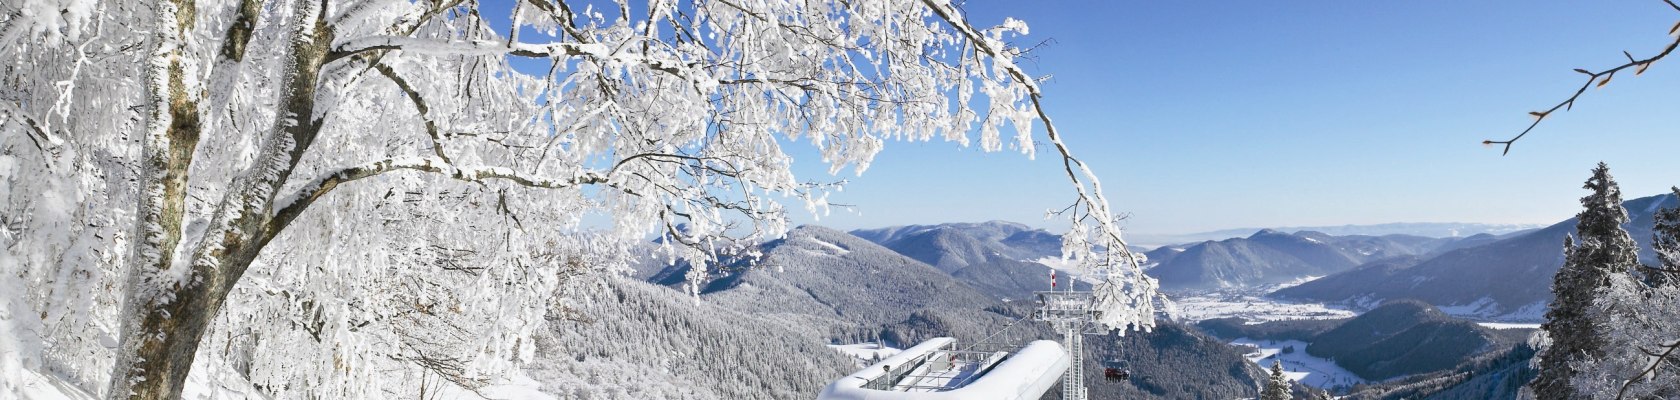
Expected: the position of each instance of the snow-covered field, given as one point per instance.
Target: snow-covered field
(1508, 325)
(1298, 365)
(1249, 305)
(1485, 309)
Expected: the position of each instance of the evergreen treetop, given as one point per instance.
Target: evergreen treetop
(1599, 249)
(1277, 388)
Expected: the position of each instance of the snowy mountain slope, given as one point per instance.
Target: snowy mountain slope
(1266, 257)
(995, 257)
(1364, 248)
(1496, 375)
(1010, 279)
(1401, 338)
(1424, 229)
(956, 245)
(1505, 279)
(642, 341)
(946, 249)
(824, 273)
(1160, 255)
(1271, 257)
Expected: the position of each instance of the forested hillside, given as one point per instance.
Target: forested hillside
(634, 340)
(833, 286)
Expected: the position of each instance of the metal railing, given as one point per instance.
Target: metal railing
(919, 373)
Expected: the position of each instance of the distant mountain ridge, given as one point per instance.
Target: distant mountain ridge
(1424, 229)
(1270, 257)
(955, 245)
(1505, 279)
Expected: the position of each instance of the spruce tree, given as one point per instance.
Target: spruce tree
(1665, 238)
(1277, 388)
(1603, 249)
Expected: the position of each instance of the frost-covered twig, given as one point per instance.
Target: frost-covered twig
(365, 44)
(419, 107)
(1601, 77)
(1651, 368)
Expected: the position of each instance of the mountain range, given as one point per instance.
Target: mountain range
(820, 285)
(1270, 257)
(1507, 279)
(901, 285)
(1424, 229)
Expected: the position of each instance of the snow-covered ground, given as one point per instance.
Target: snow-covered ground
(1508, 325)
(224, 384)
(32, 385)
(1486, 309)
(1250, 305)
(866, 353)
(1298, 365)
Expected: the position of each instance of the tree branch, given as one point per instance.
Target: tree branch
(1668, 349)
(239, 34)
(1601, 77)
(419, 105)
(34, 130)
(1094, 199)
(290, 208)
(460, 47)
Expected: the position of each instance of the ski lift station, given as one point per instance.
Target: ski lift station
(936, 369)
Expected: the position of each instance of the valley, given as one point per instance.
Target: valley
(865, 294)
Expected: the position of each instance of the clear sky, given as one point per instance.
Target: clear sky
(1203, 115)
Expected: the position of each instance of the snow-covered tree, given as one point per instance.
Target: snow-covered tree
(1640, 358)
(1639, 316)
(326, 196)
(1600, 250)
(1665, 239)
(1277, 385)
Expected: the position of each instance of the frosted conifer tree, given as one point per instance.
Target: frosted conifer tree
(1603, 249)
(1639, 315)
(1639, 358)
(1665, 239)
(330, 197)
(1277, 385)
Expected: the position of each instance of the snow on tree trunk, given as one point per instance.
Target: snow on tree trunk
(338, 198)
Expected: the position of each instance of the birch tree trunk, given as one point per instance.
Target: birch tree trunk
(173, 301)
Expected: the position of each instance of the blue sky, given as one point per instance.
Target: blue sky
(1203, 115)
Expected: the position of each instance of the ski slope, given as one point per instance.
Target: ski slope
(1298, 365)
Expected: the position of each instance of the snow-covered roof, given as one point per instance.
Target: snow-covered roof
(918, 373)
